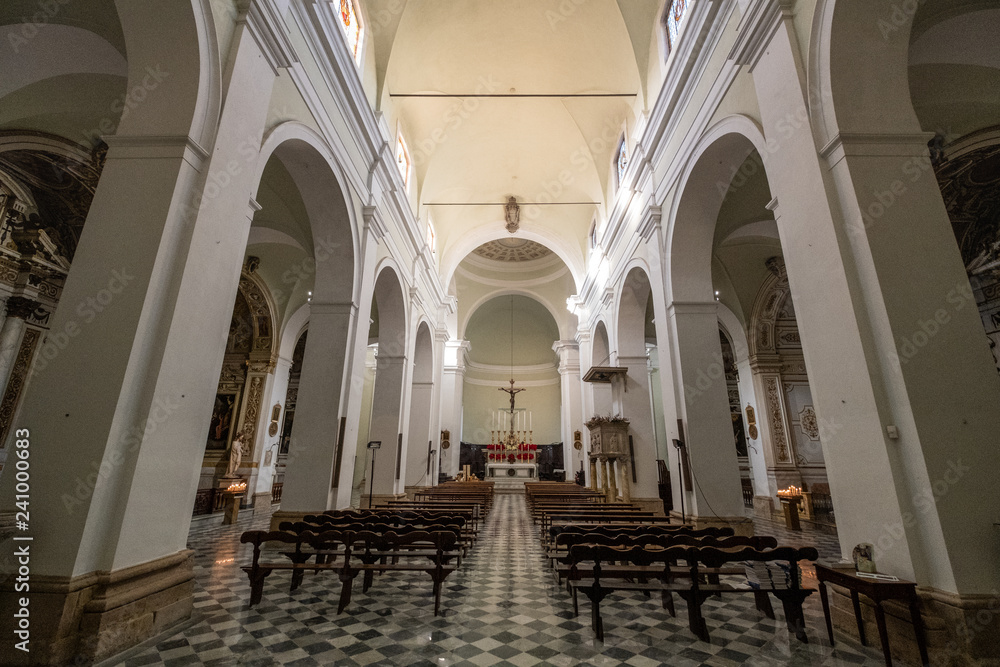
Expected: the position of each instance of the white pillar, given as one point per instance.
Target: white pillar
(571, 409)
(312, 454)
(885, 344)
(386, 422)
(708, 430)
(452, 389)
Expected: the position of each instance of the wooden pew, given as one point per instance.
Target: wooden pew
(361, 551)
(693, 590)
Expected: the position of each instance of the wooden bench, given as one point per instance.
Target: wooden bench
(606, 558)
(360, 551)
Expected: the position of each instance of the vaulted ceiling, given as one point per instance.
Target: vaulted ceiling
(523, 98)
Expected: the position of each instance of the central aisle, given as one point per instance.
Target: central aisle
(502, 608)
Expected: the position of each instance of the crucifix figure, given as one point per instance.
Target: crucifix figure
(512, 393)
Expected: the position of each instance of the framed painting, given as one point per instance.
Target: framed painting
(220, 429)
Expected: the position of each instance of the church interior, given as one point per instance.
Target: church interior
(694, 273)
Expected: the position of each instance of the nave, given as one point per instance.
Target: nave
(501, 608)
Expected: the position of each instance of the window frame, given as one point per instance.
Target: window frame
(355, 8)
(668, 9)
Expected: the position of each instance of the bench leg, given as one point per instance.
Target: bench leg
(696, 622)
(596, 594)
(791, 601)
(764, 603)
(668, 602)
(257, 577)
(347, 579)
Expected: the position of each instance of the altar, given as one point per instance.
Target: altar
(511, 476)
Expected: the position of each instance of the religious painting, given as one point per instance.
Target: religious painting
(223, 418)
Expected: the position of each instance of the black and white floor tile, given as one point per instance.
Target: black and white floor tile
(501, 608)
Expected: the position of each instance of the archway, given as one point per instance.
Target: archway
(306, 242)
(512, 336)
(420, 461)
(928, 337)
(636, 333)
(386, 425)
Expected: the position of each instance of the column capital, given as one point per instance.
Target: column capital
(649, 224)
(760, 21)
(563, 347)
(333, 308)
(156, 148)
(374, 222)
(263, 21)
(856, 144)
(676, 308)
(20, 307)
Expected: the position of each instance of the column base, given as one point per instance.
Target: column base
(741, 525)
(85, 619)
(959, 630)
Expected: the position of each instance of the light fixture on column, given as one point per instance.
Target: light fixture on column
(512, 214)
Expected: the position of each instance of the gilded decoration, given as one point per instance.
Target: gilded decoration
(777, 420)
(252, 412)
(18, 376)
(55, 193)
(809, 423)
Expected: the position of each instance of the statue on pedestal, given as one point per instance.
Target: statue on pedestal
(236, 453)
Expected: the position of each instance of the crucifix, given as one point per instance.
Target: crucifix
(512, 393)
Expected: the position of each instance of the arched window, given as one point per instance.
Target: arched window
(673, 16)
(350, 21)
(402, 158)
(621, 159)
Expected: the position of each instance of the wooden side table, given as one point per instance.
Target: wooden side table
(878, 591)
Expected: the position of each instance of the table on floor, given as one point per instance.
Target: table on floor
(878, 591)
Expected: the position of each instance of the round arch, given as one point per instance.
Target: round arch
(328, 203)
(601, 348)
(571, 256)
(294, 327)
(631, 310)
(392, 313)
(691, 226)
(476, 305)
(186, 102)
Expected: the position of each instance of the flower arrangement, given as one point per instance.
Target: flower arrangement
(609, 420)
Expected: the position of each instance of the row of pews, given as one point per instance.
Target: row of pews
(600, 548)
(430, 534)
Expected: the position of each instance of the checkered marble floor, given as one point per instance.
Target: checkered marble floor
(501, 608)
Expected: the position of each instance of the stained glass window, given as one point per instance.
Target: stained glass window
(622, 160)
(673, 15)
(351, 24)
(402, 158)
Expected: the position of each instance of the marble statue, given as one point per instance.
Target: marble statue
(236, 454)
